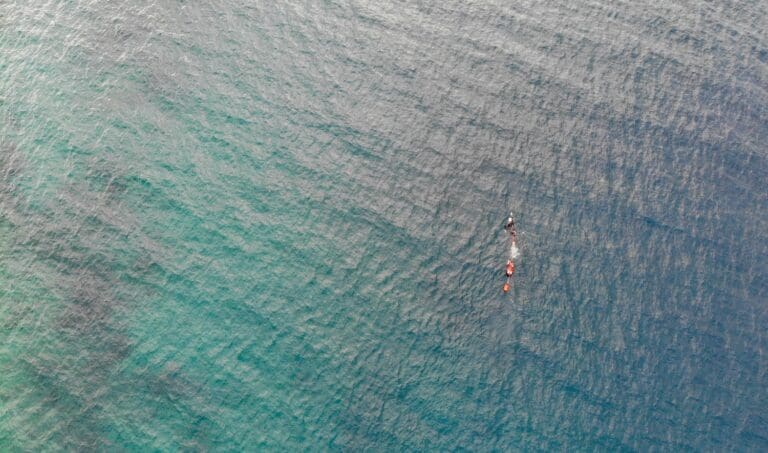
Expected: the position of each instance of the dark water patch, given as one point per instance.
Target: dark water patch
(68, 235)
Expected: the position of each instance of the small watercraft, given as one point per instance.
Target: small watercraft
(509, 270)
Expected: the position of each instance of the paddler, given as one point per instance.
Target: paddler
(510, 226)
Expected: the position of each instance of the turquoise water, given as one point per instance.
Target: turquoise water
(252, 226)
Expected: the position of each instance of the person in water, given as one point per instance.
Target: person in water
(510, 269)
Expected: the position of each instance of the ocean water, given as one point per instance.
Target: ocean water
(250, 226)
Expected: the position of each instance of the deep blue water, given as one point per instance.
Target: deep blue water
(248, 226)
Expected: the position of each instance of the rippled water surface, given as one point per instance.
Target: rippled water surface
(278, 225)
